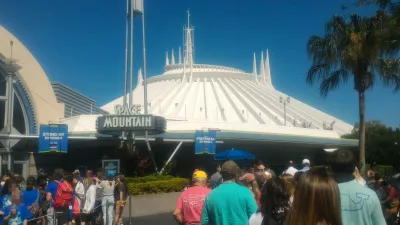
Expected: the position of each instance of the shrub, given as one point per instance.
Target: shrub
(153, 177)
(158, 186)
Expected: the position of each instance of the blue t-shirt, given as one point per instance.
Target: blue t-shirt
(52, 188)
(5, 201)
(360, 205)
(21, 215)
(30, 196)
(229, 203)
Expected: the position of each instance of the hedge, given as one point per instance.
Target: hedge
(153, 177)
(159, 186)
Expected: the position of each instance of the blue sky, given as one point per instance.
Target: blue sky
(81, 43)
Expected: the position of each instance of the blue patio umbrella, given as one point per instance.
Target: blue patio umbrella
(234, 155)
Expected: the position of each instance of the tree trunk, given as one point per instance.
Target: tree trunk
(361, 145)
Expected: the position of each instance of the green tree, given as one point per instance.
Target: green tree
(356, 49)
(382, 142)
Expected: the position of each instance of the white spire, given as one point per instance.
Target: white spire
(255, 68)
(140, 77)
(254, 65)
(268, 79)
(172, 57)
(262, 72)
(180, 56)
(166, 59)
(189, 42)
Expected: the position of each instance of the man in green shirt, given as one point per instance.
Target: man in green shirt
(229, 203)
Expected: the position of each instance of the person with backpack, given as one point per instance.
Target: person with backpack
(31, 198)
(59, 196)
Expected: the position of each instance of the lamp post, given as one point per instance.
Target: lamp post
(284, 101)
(10, 68)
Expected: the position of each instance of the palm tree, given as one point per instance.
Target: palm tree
(359, 49)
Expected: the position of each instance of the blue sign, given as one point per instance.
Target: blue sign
(111, 167)
(53, 138)
(205, 142)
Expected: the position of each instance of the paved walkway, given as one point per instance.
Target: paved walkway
(159, 219)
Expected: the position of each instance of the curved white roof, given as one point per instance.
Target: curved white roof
(195, 96)
(224, 97)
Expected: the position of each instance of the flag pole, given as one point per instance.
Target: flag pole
(131, 56)
(126, 52)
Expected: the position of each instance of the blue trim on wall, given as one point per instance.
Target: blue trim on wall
(23, 95)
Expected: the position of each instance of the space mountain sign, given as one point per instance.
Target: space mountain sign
(128, 119)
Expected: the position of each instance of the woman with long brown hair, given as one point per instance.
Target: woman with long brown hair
(316, 200)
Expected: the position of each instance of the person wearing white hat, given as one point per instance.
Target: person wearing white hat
(306, 165)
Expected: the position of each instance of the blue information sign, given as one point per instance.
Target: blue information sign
(53, 138)
(111, 167)
(205, 142)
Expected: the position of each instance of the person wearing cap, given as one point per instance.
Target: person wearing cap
(190, 202)
(306, 165)
(229, 203)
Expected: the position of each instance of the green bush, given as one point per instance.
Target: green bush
(153, 177)
(158, 186)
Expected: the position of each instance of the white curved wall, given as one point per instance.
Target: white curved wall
(230, 100)
(34, 79)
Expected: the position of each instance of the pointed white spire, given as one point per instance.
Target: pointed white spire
(173, 57)
(166, 59)
(180, 56)
(268, 79)
(254, 65)
(189, 42)
(262, 71)
(140, 77)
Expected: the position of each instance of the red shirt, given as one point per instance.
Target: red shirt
(191, 203)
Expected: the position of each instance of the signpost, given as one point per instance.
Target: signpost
(205, 142)
(53, 138)
(128, 119)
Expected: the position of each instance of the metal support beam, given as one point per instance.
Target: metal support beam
(1, 164)
(151, 155)
(22, 136)
(172, 156)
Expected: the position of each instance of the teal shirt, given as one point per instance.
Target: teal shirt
(360, 205)
(229, 203)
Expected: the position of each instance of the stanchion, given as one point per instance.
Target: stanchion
(130, 210)
(54, 217)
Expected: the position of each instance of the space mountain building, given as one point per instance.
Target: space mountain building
(194, 96)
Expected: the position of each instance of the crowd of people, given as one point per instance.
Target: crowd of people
(63, 198)
(331, 195)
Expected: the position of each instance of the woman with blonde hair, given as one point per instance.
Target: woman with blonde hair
(316, 200)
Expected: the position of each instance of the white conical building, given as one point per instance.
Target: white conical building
(192, 96)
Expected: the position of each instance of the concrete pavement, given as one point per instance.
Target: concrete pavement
(157, 219)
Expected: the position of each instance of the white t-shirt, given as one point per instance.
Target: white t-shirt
(90, 199)
(256, 219)
(291, 170)
(80, 193)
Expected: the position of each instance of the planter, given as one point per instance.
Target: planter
(147, 205)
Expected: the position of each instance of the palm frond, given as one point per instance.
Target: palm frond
(336, 25)
(333, 81)
(389, 71)
(316, 73)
